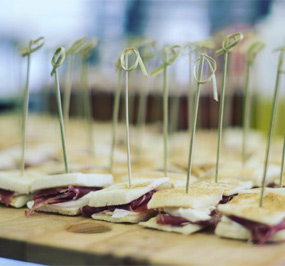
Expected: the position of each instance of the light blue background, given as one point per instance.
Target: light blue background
(8, 262)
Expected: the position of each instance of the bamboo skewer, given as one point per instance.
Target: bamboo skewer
(253, 50)
(124, 64)
(148, 51)
(166, 62)
(115, 113)
(85, 53)
(57, 60)
(273, 112)
(33, 46)
(282, 164)
(146, 56)
(212, 67)
(193, 49)
(230, 42)
(75, 48)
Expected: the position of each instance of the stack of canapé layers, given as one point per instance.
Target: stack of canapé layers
(228, 208)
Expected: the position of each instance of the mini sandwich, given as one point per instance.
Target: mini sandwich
(204, 159)
(36, 154)
(233, 141)
(57, 167)
(230, 186)
(171, 167)
(14, 188)
(198, 169)
(276, 183)
(252, 171)
(182, 212)
(122, 203)
(66, 193)
(243, 219)
(7, 162)
(175, 179)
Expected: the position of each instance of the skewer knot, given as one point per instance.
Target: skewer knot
(253, 50)
(57, 59)
(76, 46)
(212, 68)
(194, 46)
(282, 51)
(175, 51)
(85, 51)
(33, 46)
(138, 61)
(149, 50)
(118, 64)
(230, 42)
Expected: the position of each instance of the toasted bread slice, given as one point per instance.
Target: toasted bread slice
(196, 198)
(175, 179)
(12, 180)
(229, 185)
(76, 179)
(250, 171)
(246, 206)
(185, 229)
(129, 217)
(121, 193)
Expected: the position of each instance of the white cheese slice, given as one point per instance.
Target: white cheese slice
(18, 200)
(186, 229)
(193, 215)
(119, 213)
(68, 204)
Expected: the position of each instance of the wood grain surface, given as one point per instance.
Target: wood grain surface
(59, 240)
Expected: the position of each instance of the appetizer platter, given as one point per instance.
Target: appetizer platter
(78, 191)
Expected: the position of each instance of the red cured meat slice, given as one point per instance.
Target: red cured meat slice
(138, 205)
(226, 199)
(260, 233)
(6, 196)
(167, 219)
(58, 195)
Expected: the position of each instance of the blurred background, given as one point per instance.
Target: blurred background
(120, 23)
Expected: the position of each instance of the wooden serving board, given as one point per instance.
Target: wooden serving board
(54, 239)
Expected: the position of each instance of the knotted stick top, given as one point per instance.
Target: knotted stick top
(85, 51)
(193, 46)
(149, 50)
(76, 46)
(282, 51)
(138, 61)
(57, 59)
(253, 50)
(175, 51)
(230, 42)
(212, 67)
(33, 46)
